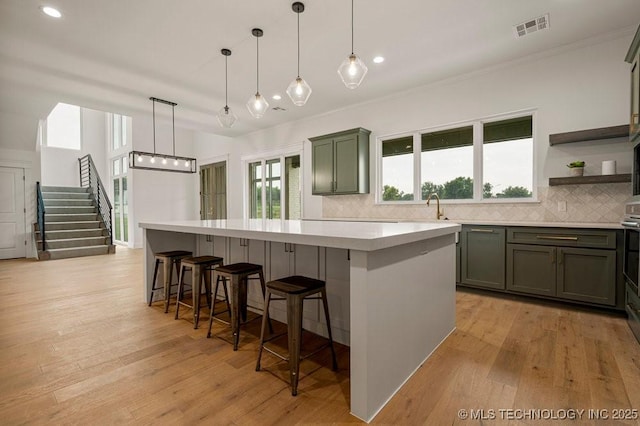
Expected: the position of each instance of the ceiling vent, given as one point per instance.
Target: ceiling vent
(538, 24)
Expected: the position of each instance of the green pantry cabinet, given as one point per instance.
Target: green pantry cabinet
(579, 265)
(340, 163)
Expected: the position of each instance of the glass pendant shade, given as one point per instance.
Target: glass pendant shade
(299, 91)
(257, 105)
(226, 117)
(352, 71)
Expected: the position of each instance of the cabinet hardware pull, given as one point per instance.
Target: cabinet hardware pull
(633, 308)
(552, 237)
(487, 231)
(630, 224)
(552, 254)
(560, 257)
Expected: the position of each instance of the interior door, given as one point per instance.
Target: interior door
(213, 191)
(12, 213)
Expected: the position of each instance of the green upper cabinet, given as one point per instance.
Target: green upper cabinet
(340, 163)
(633, 57)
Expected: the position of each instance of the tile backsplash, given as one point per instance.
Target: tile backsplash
(590, 203)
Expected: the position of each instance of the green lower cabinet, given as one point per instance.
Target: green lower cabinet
(583, 275)
(531, 269)
(587, 275)
(482, 256)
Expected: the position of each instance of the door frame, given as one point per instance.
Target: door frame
(29, 191)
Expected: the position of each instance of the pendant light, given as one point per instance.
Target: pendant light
(162, 162)
(299, 91)
(226, 117)
(352, 70)
(257, 104)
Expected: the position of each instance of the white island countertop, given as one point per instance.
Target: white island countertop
(365, 236)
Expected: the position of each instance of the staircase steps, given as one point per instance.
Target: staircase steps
(74, 228)
(53, 202)
(87, 224)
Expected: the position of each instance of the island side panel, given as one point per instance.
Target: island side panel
(156, 241)
(402, 308)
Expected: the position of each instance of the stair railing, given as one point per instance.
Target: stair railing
(41, 215)
(89, 178)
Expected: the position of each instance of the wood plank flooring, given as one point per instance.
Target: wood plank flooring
(79, 346)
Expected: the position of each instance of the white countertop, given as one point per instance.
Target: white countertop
(366, 236)
(583, 225)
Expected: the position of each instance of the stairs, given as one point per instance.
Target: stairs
(73, 225)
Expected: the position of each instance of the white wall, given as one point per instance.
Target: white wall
(60, 166)
(578, 88)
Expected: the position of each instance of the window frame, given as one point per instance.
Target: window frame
(477, 172)
(263, 158)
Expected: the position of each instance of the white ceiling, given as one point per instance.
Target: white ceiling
(114, 54)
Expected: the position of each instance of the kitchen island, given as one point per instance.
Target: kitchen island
(391, 285)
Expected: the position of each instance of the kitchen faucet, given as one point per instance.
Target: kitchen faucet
(439, 213)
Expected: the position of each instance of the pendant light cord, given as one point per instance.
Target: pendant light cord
(298, 44)
(173, 127)
(257, 66)
(352, 27)
(226, 86)
(154, 126)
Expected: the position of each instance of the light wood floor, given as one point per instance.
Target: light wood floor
(79, 346)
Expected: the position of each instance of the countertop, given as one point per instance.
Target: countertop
(366, 236)
(583, 225)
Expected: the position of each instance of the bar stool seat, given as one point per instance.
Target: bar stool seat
(168, 260)
(295, 290)
(201, 267)
(238, 274)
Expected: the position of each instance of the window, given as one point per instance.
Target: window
(120, 200)
(266, 182)
(63, 127)
(481, 160)
(507, 158)
(118, 131)
(446, 159)
(397, 166)
(255, 190)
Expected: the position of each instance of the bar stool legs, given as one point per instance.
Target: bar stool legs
(238, 275)
(201, 268)
(294, 290)
(168, 259)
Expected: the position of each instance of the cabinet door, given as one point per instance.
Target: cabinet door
(279, 260)
(587, 275)
(305, 262)
(531, 269)
(322, 167)
(256, 253)
(237, 250)
(483, 256)
(346, 164)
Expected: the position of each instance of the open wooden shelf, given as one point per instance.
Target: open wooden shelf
(579, 180)
(612, 132)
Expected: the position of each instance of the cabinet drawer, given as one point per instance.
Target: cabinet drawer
(588, 238)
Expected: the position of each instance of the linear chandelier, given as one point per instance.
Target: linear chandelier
(162, 162)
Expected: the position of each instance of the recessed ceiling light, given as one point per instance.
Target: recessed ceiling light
(378, 59)
(276, 97)
(50, 11)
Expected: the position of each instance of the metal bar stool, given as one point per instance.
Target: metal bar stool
(201, 267)
(295, 290)
(168, 259)
(238, 274)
